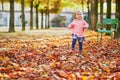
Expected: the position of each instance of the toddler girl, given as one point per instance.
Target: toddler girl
(78, 25)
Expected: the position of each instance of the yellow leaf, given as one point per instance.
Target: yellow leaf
(4, 58)
(107, 70)
(84, 78)
(92, 77)
(1, 75)
(1, 58)
(15, 65)
(73, 76)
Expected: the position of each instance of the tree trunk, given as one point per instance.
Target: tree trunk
(41, 19)
(89, 20)
(37, 17)
(101, 10)
(31, 14)
(94, 13)
(117, 35)
(47, 15)
(23, 16)
(48, 20)
(11, 27)
(2, 5)
(108, 14)
(82, 6)
(108, 8)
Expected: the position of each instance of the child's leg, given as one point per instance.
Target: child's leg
(74, 39)
(80, 46)
(73, 43)
(80, 41)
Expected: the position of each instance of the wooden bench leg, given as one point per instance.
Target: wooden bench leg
(97, 37)
(117, 39)
(111, 37)
(117, 42)
(101, 38)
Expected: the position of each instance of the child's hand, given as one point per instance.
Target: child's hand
(85, 27)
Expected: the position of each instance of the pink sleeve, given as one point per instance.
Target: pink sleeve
(71, 25)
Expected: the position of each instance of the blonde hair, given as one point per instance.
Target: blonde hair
(78, 12)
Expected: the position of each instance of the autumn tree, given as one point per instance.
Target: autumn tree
(108, 8)
(11, 26)
(53, 6)
(47, 7)
(23, 15)
(118, 16)
(36, 5)
(101, 10)
(94, 13)
(42, 14)
(46, 14)
(2, 2)
(88, 7)
(11, 23)
(31, 14)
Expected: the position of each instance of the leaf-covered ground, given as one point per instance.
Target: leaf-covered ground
(45, 55)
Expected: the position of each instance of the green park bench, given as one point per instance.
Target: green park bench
(108, 26)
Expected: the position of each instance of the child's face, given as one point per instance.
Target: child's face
(78, 15)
